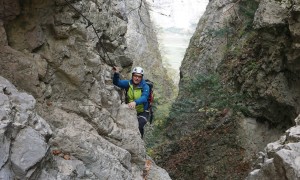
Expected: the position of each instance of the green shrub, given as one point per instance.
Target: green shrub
(212, 94)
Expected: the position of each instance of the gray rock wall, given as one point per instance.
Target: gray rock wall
(24, 134)
(280, 159)
(255, 53)
(253, 47)
(73, 125)
(262, 62)
(275, 83)
(207, 49)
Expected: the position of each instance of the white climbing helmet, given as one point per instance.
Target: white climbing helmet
(138, 70)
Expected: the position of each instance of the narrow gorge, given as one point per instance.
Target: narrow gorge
(236, 115)
(239, 90)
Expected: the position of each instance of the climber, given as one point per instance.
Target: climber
(137, 92)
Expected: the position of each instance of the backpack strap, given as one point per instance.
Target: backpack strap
(126, 100)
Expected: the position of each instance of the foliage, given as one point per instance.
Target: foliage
(222, 32)
(212, 94)
(184, 158)
(247, 9)
(154, 132)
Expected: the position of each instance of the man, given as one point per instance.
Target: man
(137, 94)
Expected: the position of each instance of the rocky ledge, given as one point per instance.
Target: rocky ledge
(29, 149)
(280, 159)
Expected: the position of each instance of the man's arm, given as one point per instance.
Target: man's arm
(144, 96)
(120, 83)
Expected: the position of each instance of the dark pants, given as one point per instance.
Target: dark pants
(142, 118)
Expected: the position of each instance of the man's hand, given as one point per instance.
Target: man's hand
(116, 69)
(132, 105)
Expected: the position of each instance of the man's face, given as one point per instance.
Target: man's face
(137, 78)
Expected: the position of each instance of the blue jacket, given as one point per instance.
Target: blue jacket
(124, 84)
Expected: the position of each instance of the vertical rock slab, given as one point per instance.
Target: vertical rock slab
(28, 149)
(23, 134)
(35, 38)
(281, 159)
(270, 13)
(3, 39)
(5, 143)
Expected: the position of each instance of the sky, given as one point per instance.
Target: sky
(176, 21)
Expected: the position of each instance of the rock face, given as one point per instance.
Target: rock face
(280, 160)
(259, 59)
(73, 125)
(261, 62)
(276, 79)
(24, 134)
(247, 49)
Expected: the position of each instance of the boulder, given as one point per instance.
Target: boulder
(270, 13)
(23, 133)
(28, 149)
(281, 158)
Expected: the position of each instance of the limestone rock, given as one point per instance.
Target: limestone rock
(18, 66)
(53, 53)
(77, 148)
(271, 13)
(5, 145)
(282, 160)
(23, 134)
(253, 47)
(28, 149)
(3, 40)
(197, 61)
(9, 9)
(156, 172)
(35, 38)
(5, 172)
